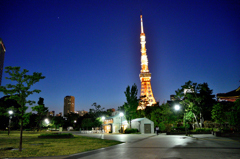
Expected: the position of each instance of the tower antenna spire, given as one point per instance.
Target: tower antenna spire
(142, 31)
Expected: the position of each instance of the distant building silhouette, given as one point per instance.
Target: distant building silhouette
(60, 114)
(2, 54)
(81, 113)
(111, 110)
(51, 113)
(231, 96)
(69, 105)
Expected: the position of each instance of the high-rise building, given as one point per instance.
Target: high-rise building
(2, 54)
(146, 97)
(69, 104)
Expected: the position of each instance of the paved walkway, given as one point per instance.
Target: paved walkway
(163, 147)
(170, 147)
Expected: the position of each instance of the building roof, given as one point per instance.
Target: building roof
(138, 119)
(234, 93)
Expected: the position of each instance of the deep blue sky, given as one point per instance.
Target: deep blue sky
(91, 49)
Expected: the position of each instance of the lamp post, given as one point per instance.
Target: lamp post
(177, 107)
(103, 118)
(10, 112)
(121, 114)
(46, 121)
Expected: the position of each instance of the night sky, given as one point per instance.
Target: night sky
(91, 49)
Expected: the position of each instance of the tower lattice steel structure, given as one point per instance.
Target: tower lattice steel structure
(147, 98)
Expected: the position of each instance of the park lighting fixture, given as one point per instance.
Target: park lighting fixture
(103, 118)
(121, 114)
(46, 121)
(75, 121)
(177, 107)
(10, 112)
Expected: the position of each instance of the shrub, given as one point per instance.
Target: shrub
(57, 134)
(162, 126)
(203, 129)
(130, 131)
(178, 129)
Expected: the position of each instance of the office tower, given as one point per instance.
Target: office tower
(69, 104)
(2, 54)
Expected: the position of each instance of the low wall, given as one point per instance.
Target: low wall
(220, 134)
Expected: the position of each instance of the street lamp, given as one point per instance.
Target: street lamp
(177, 107)
(103, 118)
(46, 121)
(121, 114)
(10, 112)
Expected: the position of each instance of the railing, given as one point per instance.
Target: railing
(91, 131)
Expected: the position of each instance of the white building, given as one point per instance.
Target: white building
(144, 125)
(113, 124)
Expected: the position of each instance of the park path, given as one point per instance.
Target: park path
(162, 147)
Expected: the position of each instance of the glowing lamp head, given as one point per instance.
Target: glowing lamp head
(103, 118)
(46, 121)
(176, 107)
(121, 114)
(10, 112)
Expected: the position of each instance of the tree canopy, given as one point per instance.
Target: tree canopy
(21, 90)
(130, 107)
(41, 112)
(196, 99)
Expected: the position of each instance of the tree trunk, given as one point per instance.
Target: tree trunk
(196, 119)
(21, 131)
(201, 120)
(130, 123)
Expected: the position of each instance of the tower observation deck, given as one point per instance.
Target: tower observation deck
(146, 95)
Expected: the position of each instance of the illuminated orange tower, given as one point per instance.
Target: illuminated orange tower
(147, 98)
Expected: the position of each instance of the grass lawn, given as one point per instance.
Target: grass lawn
(35, 147)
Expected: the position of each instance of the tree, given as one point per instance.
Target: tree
(6, 105)
(58, 121)
(234, 114)
(197, 99)
(97, 112)
(41, 112)
(21, 90)
(162, 117)
(219, 113)
(130, 107)
(227, 112)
